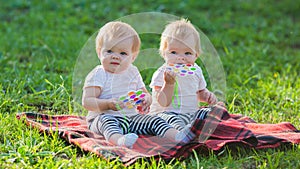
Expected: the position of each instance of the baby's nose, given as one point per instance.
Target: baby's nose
(115, 56)
(180, 57)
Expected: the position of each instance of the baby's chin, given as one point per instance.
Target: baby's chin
(115, 70)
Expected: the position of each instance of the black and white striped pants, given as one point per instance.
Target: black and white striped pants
(107, 125)
(180, 120)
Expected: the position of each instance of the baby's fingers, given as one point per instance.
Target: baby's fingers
(212, 99)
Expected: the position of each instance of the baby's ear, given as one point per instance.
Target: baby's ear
(98, 53)
(134, 56)
(163, 53)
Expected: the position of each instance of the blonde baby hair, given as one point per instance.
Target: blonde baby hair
(118, 31)
(179, 30)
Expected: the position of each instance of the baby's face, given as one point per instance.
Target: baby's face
(117, 57)
(181, 51)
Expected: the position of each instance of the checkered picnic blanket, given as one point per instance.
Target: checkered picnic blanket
(218, 130)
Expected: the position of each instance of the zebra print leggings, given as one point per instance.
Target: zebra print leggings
(107, 125)
(180, 120)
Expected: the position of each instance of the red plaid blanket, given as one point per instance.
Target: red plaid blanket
(214, 133)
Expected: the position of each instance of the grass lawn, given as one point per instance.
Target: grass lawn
(258, 42)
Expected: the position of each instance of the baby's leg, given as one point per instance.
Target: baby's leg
(185, 135)
(126, 140)
(153, 125)
(174, 119)
(113, 129)
(148, 125)
(201, 113)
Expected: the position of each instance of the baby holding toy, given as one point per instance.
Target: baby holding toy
(175, 95)
(117, 46)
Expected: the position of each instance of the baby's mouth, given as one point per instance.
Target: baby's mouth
(114, 63)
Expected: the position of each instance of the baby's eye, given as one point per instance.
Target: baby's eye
(188, 53)
(123, 53)
(109, 51)
(173, 52)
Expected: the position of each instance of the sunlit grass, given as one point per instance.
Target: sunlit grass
(258, 43)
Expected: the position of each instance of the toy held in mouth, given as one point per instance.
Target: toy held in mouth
(182, 69)
(133, 98)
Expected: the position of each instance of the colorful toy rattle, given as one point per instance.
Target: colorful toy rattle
(133, 98)
(182, 69)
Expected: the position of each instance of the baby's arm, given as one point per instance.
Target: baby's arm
(206, 96)
(165, 93)
(91, 101)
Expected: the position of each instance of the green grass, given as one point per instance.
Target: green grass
(258, 43)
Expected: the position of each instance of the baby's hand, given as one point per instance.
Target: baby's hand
(169, 77)
(212, 99)
(115, 104)
(144, 107)
(207, 96)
